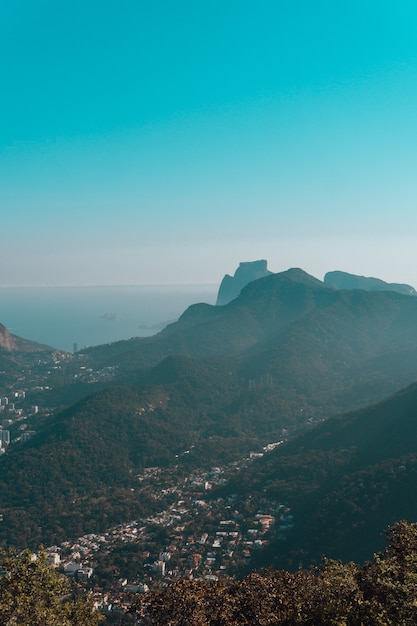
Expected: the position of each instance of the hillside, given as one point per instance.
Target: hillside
(80, 473)
(19, 357)
(346, 481)
(286, 354)
(264, 306)
(322, 349)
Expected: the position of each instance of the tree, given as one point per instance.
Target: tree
(32, 593)
(389, 582)
(382, 592)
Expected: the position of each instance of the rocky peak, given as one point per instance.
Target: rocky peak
(7, 341)
(247, 272)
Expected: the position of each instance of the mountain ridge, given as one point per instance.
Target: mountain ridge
(344, 280)
(288, 352)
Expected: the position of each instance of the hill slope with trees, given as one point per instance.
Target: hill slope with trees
(223, 380)
(345, 481)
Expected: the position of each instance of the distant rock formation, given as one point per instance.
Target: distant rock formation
(247, 272)
(13, 343)
(7, 341)
(344, 280)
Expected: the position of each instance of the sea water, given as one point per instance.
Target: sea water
(86, 316)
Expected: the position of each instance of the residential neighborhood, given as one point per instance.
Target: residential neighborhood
(196, 537)
(197, 533)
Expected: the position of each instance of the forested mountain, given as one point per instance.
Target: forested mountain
(332, 349)
(77, 475)
(264, 307)
(81, 473)
(346, 481)
(287, 353)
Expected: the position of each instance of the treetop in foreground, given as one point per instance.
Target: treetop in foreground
(32, 593)
(383, 592)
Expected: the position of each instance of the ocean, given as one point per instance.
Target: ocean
(87, 316)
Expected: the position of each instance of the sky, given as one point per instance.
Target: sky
(164, 142)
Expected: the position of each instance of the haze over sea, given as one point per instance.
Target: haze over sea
(88, 316)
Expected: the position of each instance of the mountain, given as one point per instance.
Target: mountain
(76, 476)
(343, 280)
(288, 352)
(203, 330)
(231, 286)
(13, 343)
(80, 473)
(19, 357)
(324, 350)
(346, 481)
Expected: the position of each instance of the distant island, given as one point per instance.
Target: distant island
(110, 317)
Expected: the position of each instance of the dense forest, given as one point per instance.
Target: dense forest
(345, 480)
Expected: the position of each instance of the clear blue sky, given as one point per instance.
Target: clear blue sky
(164, 142)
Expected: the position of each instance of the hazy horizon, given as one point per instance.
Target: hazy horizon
(188, 285)
(165, 143)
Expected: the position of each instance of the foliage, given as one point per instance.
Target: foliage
(380, 593)
(32, 593)
(344, 480)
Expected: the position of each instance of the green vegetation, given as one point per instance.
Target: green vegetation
(286, 354)
(345, 481)
(380, 593)
(81, 473)
(32, 593)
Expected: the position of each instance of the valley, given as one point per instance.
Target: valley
(235, 438)
(197, 535)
